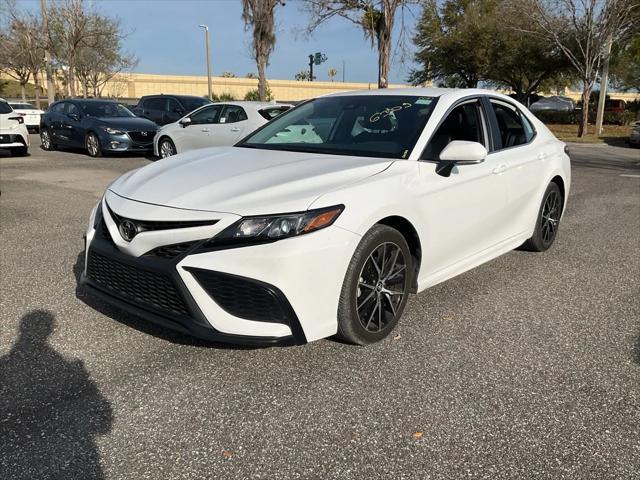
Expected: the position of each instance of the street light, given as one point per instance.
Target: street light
(206, 41)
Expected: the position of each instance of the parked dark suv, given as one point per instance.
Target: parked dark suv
(96, 125)
(163, 109)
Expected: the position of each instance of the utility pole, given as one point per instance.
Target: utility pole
(343, 70)
(311, 60)
(604, 80)
(206, 41)
(51, 88)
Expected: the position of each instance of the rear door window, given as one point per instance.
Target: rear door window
(233, 114)
(513, 127)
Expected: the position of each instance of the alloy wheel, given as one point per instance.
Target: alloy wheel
(92, 145)
(381, 287)
(166, 149)
(550, 217)
(45, 139)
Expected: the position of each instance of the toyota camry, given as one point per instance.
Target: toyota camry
(324, 220)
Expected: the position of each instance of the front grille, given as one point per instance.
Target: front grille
(138, 137)
(149, 288)
(145, 225)
(171, 251)
(243, 297)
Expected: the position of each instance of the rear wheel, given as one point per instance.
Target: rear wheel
(548, 220)
(376, 287)
(45, 140)
(92, 144)
(166, 148)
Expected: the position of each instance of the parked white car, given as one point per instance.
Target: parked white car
(323, 221)
(214, 125)
(30, 114)
(14, 135)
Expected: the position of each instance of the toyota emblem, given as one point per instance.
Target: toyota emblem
(128, 230)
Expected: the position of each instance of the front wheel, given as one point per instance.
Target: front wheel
(92, 143)
(548, 220)
(166, 148)
(45, 140)
(376, 287)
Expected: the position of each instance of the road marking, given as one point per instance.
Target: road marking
(629, 175)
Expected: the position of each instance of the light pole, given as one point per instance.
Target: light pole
(206, 41)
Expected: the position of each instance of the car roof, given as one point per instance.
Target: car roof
(253, 104)
(451, 93)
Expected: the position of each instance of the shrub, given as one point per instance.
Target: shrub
(253, 95)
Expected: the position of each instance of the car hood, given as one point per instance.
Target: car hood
(127, 123)
(244, 181)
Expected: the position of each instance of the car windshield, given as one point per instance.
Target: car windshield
(22, 106)
(105, 109)
(192, 103)
(361, 125)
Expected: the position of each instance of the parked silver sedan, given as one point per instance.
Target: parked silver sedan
(217, 124)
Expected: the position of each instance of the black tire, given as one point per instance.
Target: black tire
(548, 220)
(169, 148)
(46, 142)
(19, 151)
(92, 144)
(359, 302)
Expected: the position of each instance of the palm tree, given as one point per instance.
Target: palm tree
(259, 15)
(332, 73)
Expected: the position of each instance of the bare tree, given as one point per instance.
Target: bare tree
(24, 50)
(332, 72)
(96, 66)
(581, 29)
(375, 17)
(259, 15)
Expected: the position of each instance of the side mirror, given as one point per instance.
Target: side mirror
(460, 152)
(185, 122)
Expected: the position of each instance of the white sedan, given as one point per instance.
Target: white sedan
(14, 135)
(214, 125)
(29, 113)
(323, 221)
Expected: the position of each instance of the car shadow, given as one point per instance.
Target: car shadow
(50, 408)
(617, 141)
(142, 325)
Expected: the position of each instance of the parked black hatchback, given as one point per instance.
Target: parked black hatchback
(97, 125)
(163, 109)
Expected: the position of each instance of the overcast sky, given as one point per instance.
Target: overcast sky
(166, 39)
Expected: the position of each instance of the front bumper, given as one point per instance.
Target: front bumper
(282, 293)
(124, 143)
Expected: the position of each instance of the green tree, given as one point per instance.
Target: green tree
(228, 75)
(454, 45)
(625, 66)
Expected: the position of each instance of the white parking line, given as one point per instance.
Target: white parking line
(630, 175)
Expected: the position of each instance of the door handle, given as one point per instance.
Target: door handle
(235, 129)
(205, 130)
(500, 169)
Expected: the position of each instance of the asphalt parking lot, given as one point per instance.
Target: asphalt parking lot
(526, 367)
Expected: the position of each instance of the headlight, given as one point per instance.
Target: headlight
(270, 228)
(112, 131)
